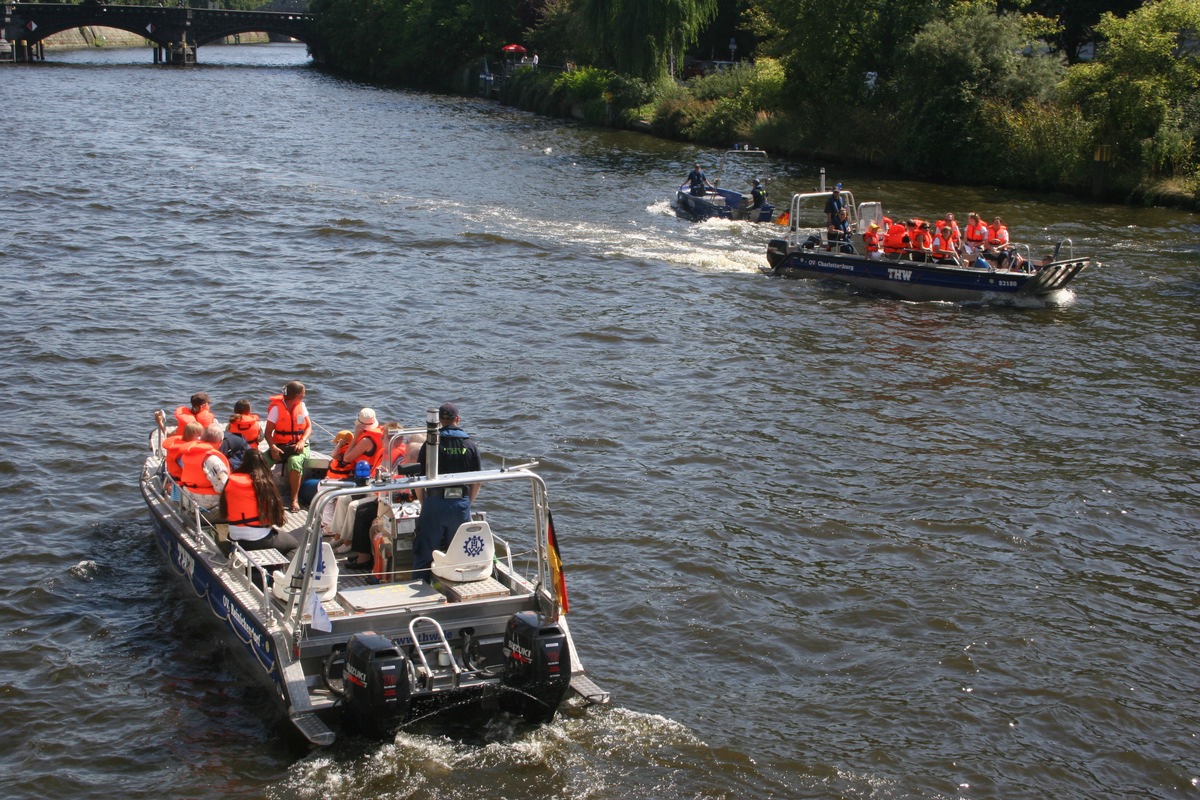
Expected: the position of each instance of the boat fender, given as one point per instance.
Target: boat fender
(376, 682)
(537, 667)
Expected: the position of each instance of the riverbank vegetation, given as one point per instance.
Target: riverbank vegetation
(1020, 93)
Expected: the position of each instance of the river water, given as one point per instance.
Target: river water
(819, 545)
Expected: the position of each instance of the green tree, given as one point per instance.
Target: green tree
(949, 69)
(642, 38)
(1142, 84)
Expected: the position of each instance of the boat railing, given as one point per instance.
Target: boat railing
(806, 204)
(442, 646)
(1070, 249)
(311, 532)
(245, 570)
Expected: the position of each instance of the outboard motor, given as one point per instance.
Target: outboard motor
(537, 665)
(776, 251)
(376, 682)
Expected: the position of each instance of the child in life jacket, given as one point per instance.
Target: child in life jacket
(244, 423)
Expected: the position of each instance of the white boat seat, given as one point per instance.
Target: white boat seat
(324, 581)
(469, 555)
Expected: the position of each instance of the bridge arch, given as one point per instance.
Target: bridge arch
(175, 31)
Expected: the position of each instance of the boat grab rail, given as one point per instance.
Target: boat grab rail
(441, 645)
(242, 568)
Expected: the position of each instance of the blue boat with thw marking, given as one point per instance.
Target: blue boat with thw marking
(814, 249)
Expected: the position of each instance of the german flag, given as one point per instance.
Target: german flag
(556, 570)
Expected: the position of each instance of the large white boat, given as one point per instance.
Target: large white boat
(381, 649)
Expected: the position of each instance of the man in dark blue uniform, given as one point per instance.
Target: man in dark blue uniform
(758, 194)
(445, 508)
(697, 181)
(834, 204)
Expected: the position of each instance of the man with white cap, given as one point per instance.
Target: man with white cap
(445, 508)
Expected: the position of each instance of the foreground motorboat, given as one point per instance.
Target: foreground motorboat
(742, 163)
(377, 650)
(811, 251)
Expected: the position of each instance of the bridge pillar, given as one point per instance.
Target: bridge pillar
(178, 53)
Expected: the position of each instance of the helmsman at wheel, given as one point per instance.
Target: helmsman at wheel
(445, 508)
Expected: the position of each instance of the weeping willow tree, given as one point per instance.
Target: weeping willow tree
(642, 38)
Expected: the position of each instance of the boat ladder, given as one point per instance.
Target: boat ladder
(441, 646)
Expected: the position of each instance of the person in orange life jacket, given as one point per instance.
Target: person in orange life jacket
(251, 505)
(196, 412)
(445, 508)
(975, 236)
(870, 239)
(287, 434)
(921, 242)
(205, 468)
(895, 240)
(955, 233)
(943, 246)
(997, 238)
(244, 423)
(175, 449)
(365, 444)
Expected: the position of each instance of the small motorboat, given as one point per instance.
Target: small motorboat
(812, 250)
(742, 165)
(374, 651)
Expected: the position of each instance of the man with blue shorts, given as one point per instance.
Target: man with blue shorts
(445, 508)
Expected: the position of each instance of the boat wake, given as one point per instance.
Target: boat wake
(606, 752)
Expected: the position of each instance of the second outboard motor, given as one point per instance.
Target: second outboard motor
(537, 665)
(376, 682)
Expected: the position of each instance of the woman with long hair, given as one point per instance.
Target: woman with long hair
(253, 509)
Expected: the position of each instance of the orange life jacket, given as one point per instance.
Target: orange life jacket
(921, 240)
(998, 237)
(977, 233)
(340, 470)
(285, 424)
(247, 426)
(943, 247)
(241, 504)
(893, 240)
(171, 446)
(871, 240)
(184, 415)
(194, 479)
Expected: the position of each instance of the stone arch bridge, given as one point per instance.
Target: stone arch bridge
(175, 31)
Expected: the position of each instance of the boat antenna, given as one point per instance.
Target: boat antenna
(822, 179)
(432, 430)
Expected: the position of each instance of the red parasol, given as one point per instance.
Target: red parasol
(513, 48)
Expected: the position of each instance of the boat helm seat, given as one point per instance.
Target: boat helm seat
(324, 581)
(469, 555)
